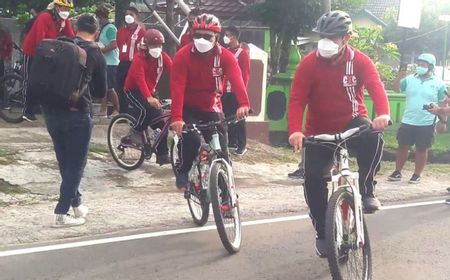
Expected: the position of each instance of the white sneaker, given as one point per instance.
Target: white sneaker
(80, 211)
(65, 220)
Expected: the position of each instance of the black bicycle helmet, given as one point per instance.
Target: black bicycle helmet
(334, 23)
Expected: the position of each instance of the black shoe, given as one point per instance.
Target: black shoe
(182, 180)
(232, 146)
(448, 189)
(371, 204)
(395, 176)
(415, 179)
(240, 151)
(29, 117)
(163, 159)
(297, 174)
(321, 247)
(447, 201)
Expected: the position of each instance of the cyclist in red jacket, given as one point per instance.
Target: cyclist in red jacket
(331, 81)
(140, 88)
(50, 24)
(197, 86)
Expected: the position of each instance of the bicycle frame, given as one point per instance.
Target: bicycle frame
(341, 174)
(165, 117)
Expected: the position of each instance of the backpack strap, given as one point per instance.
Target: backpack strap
(349, 82)
(159, 71)
(134, 38)
(236, 55)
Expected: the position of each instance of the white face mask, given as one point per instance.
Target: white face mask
(64, 14)
(155, 52)
(327, 48)
(226, 40)
(129, 19)
(203, 45)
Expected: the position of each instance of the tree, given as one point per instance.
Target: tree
(289, 19)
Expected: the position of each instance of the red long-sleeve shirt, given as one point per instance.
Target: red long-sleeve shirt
(193, 85)
(123, 40)
(45, 27)
(244, 64)
(6, 45)
(143, 73)
(319, 84)
(185, 39)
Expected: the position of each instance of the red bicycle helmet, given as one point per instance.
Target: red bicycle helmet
(152, 37)
(207, 22)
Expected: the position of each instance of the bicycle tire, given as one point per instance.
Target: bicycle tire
(120, 151)
(341, 255)
(11, 110)
(198, 203)
(218, 181)
(174, 155)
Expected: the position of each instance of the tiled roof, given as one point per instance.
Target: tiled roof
(379, 7)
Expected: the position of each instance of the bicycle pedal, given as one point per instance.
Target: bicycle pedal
(187, 195)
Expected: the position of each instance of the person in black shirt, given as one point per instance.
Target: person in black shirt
(70, 127)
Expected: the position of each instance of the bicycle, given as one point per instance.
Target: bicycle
(12, 94)
(211, 181)
(349, 253)
(130, 156)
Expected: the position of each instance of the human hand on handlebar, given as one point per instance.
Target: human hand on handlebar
(296, 140)
(381, 122)
(242, 112)
(177, 127)
(154, 102)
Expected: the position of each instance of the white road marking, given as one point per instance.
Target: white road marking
(178, 231)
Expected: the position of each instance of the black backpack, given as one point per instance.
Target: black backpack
(58, 72)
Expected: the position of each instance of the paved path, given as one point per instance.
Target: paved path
(408, 243)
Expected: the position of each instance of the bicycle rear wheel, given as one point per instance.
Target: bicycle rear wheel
(346, 258)
(12, 98)
(226, 211)
(127, 156)
(198, 202)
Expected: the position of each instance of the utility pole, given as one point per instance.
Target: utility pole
(171, 24)
(327, 5)
(446, 19)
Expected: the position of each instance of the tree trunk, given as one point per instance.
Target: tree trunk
(121, 6)
(326, 6)
(171, 45)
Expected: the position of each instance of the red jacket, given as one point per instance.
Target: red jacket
(193, 85)
(244, 64)
(319, 85)
(144, 73)
(6, 45)
(185, 39)
(45, 27)
(124, 41)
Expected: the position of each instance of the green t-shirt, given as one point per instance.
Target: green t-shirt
(418, 93)
(107, 35)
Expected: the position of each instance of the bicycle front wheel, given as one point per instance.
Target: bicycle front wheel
(129, 156)
(12, 98)
(198, 201)
(226, 211)
(346, 258)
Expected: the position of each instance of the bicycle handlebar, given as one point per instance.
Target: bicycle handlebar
(338, 137)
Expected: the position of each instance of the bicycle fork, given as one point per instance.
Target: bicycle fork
(354, 177)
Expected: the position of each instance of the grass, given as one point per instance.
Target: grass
(7, 188)
(7, 157)
(440, 145)
(99, 149)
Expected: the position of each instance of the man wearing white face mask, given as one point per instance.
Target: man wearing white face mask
(128, 38)
(140, 89)
(50, 24)
(330, 81)
(418, 125)
(197, 86)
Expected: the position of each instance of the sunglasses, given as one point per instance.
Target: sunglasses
(204, 36)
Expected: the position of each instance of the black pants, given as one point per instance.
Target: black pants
(2, 68)
(122, 72)
(144, 115)
(368, 149)
(237, 133)
(191, 141)
(30, 103)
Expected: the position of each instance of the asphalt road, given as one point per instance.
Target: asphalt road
(408, 243)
